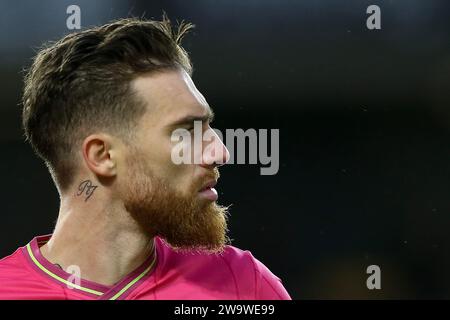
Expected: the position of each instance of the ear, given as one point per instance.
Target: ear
(98, 150)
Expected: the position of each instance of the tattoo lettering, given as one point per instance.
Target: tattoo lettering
(87, 188)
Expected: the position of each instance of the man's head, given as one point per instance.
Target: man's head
(102, 104)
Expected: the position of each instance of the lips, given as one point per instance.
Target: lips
(208, 192)
(208, 185)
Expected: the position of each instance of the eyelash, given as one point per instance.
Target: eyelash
(192, 127)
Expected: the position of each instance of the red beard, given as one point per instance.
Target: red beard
(184, 222)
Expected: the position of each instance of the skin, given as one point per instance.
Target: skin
(95, 229)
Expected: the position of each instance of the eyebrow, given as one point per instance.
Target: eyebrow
(209, 117)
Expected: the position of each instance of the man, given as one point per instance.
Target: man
(100, 108)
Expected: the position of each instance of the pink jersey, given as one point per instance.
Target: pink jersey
(167, 275)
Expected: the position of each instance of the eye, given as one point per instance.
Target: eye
(191, 126)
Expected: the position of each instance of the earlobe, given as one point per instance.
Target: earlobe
(112, 165)
(96, 152)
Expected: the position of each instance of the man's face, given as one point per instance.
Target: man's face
(167, 199)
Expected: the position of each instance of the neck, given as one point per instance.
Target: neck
(99, 237)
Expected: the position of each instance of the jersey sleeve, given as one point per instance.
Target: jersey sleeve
(267, 285)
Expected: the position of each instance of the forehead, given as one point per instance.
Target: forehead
(170, 95)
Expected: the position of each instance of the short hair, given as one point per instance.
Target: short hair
(81, 84)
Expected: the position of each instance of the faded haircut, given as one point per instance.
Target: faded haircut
(81, 85)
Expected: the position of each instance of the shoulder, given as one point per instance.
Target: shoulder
(267, 286)
(250, 277)
(11, 264)
(231, 258)
(13, 274)
(19, 281)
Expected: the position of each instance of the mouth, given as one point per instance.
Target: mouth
(208, 192)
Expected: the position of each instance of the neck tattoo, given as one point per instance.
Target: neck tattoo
(87, 188)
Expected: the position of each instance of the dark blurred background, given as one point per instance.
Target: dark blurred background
(364, 133)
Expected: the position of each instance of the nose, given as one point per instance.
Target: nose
(215, 153)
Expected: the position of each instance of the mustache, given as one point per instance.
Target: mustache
(213, 175)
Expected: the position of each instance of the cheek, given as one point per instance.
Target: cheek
(157, 153)
(178, 176)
